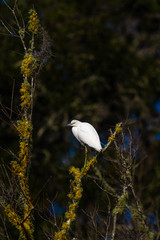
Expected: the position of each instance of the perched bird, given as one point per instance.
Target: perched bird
(86, 134)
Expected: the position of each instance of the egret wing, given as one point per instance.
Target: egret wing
(88, 135)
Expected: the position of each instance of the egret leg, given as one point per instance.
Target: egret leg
(86, 151)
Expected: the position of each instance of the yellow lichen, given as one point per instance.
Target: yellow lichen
(25, 95)
(118, 128)
(72, 206)
(16, 168)
(74, 170)
(33, 22)
(66, 225)
(86, 168)
(78, 194)
(62, 235)
(70, 215)
(75, 195)
(12, 216)
(111, 138)
(70, 195)
(24, 128)
(29, 64)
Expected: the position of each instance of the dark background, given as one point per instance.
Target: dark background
(105, 68)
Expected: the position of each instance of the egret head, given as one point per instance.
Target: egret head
(74, 123)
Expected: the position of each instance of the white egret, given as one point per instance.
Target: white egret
(86, 134)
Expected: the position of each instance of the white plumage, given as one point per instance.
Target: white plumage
(86, 134)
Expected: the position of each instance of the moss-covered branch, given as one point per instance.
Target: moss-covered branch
(21, 216)
(76, 189)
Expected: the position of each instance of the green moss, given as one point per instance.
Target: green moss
(151, 235)
(122, 200)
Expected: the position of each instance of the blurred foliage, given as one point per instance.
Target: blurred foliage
(105, 69)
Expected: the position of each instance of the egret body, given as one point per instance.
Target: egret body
(86, 134)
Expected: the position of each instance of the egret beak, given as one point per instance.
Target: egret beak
(69, 125)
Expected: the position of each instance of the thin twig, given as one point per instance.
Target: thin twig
(17, 22)
(12, 98)
(5, 229)
(5, 26)
(114, 226)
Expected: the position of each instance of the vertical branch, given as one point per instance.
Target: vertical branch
(125, 168)
(23, 220)
(114, 226)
